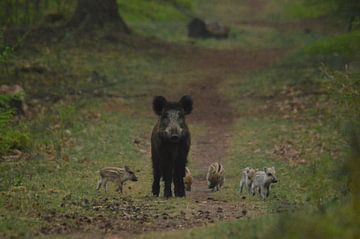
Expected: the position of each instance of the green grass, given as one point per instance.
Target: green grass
(166, 20)
(345, 45)
(154, 10)
(276, 11)
(304, 9)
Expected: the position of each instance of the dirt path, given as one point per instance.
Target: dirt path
(214, 111)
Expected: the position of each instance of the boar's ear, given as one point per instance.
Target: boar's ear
(127, 169)
(265, 170)
(159, 103)
(187, 103)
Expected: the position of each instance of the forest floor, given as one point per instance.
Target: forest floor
(97, 107)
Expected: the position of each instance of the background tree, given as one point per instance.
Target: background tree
(91, 14)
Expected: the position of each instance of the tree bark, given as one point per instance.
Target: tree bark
(94, 14)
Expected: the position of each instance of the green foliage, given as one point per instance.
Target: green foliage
(12, 136)
(5, 100)
(5, 54)
(5, 117)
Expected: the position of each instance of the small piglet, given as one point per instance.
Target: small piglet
(188, 179)
(247, 177)
(262, 182)
(215, 176)
(116, 175)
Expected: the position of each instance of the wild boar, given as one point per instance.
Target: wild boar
(170, 144)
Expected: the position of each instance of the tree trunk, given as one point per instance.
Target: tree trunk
(93, 14)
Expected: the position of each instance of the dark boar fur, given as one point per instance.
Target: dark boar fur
(170, 144)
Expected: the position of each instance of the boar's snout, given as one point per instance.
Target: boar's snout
(134, 179)
(175, 138)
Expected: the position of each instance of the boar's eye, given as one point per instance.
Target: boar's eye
(269, 174)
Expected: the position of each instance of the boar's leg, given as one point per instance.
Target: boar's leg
(156, 178)
(179, 174)
(168, 181)
(156, 173)
(179, 186)
(156, 182)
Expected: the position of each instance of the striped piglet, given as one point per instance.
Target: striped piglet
(117, 175)
(215, 176)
